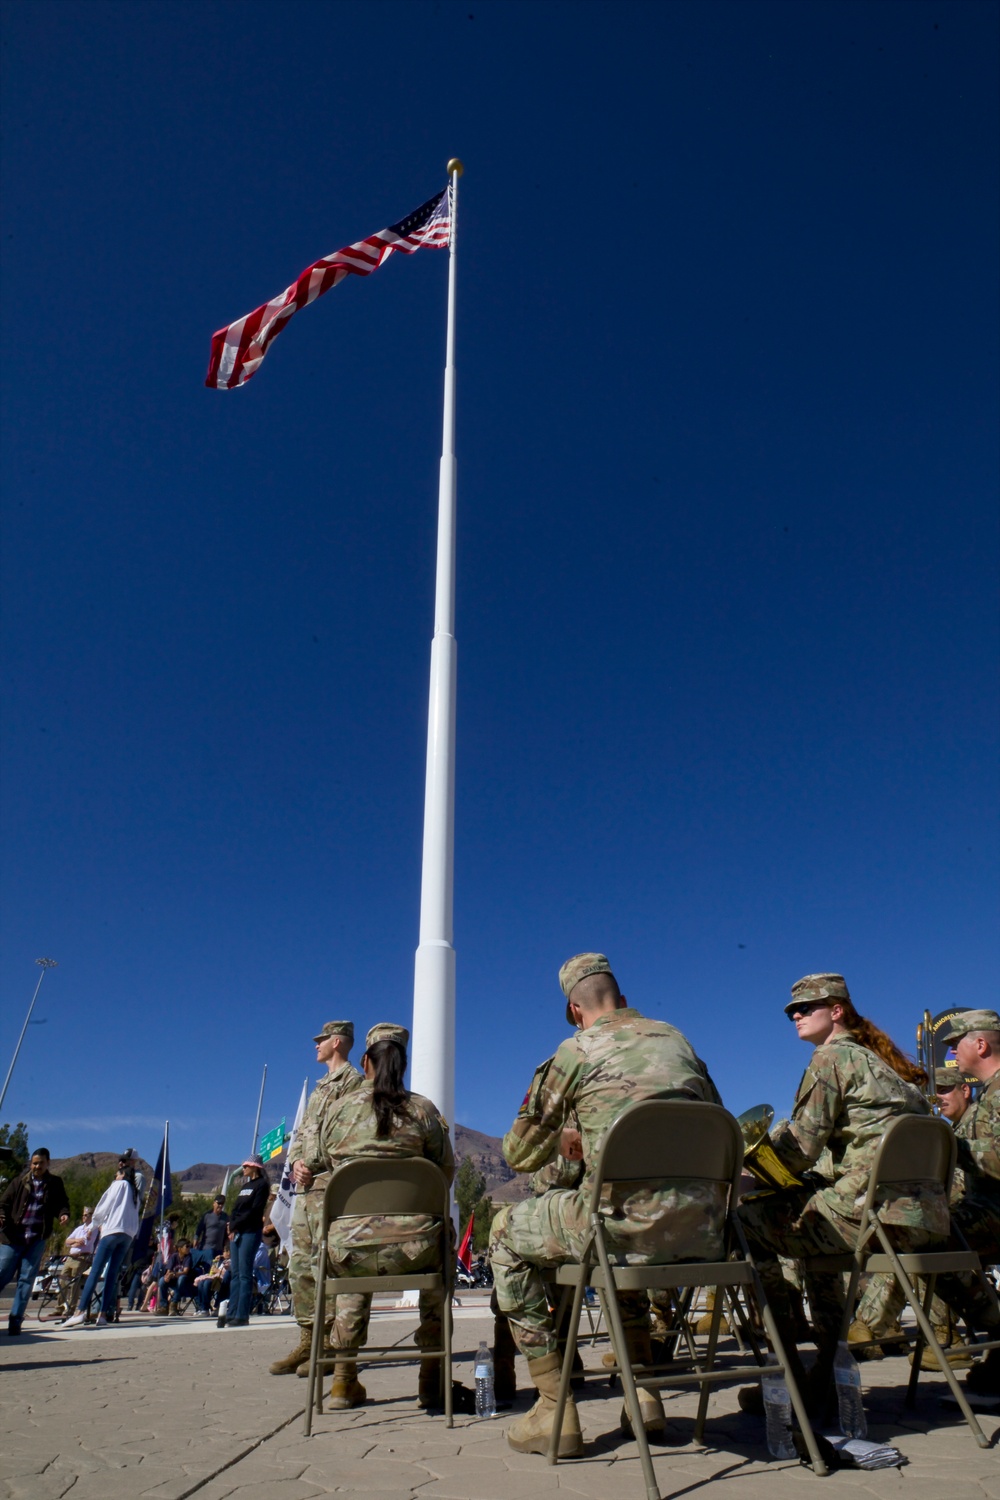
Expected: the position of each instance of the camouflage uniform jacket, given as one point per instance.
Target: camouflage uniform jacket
(559, 1171)
(847, 1097)
(348, 1131)
(978, 1138)
(306, 1147)
(596, 1074)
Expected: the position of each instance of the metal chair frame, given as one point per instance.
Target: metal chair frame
(677, 1139)
(914, 1148)
(376, 1185)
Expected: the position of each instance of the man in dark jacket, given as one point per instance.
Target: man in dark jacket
(28, 1209)
(213, 1229)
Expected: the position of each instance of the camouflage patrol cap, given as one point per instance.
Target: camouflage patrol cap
(581, 966)
(947, 1078)
(818, 987)
(387, 1031)
(337, 1028)
(969, 1020)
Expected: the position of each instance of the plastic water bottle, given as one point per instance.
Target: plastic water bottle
(847, 1377)
(778, 1416)
(486, 1404)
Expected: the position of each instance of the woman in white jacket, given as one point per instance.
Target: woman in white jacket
(117, 1213)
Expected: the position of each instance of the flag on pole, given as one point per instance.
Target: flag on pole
(238, 350)
(465, 1248)
(281, 1209)
(160, 1188)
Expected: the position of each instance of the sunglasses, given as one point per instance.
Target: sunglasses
(806, 1008)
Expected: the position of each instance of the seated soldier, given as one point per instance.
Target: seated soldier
(616, 1057)
(383, 1119)
(856, 1083)
(975, 1210)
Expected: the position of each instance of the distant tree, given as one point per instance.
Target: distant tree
(15, 1138)
(485, 1214)
(469, 1184)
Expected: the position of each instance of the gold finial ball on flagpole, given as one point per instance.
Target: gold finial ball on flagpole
(455, 166)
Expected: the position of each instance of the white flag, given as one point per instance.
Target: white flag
(281, 1210)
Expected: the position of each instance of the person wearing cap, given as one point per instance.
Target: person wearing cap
(333, 1049)
(614, 1057)
(856, 1084)
(383, 1119)
(975, 1036)
(246, 1225)
(954, 1093)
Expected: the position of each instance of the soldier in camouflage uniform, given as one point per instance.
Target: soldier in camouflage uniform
(333, 1047)
(883, 1301)
(975, 1199)
(615, 1058)
(382, 1119)
(848, 1096)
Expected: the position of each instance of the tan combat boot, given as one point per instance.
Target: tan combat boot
(291, 1362)
(346, 1390)
(531, 1433)
(704, 1323)
(928, 1359)
(651, 1411)
(862, 1342)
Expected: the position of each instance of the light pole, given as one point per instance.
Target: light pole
(43, 964)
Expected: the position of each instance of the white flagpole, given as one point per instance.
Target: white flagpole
(432, 1049)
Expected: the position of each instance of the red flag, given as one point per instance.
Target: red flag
(465, 1248)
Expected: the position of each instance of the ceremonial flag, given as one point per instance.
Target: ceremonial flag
(158, 1200)
(238, 350)
(281, 1209)
(465, 1248)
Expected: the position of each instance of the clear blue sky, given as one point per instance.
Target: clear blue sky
(727, 543)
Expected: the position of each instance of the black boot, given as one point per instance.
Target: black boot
(14, 1325)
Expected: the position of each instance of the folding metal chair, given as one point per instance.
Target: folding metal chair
(374, 1185)
(914, 1148)
(677, 1139)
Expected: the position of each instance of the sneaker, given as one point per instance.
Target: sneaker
(76, 1321)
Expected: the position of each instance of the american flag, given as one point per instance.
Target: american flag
(238, 350)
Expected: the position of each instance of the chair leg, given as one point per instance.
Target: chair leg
(315, 1348)
(924, 1324)
(798, 1405)
(706, 1389)
(566, 1372)
(918, 1353)
(446, 1326)
(613, 1314)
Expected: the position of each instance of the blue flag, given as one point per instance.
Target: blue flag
(153, 1208)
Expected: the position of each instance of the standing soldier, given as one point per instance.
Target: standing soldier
(615, 1057)
(333, 1047)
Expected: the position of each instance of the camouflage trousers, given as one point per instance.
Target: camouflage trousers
(350, 1323)
(307, 1225)
(963, 1292)
(527, 1239)
(788, 1224)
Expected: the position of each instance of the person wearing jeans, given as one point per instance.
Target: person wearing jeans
(246, 1225)
(28, 1207)
(117, 1213)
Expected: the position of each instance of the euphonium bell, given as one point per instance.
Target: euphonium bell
(759, 1155)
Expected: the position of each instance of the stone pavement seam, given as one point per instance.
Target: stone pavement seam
(239, 1457)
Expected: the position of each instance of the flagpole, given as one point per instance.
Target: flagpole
(432, 1049)
(260, 1106)
(163, 1174)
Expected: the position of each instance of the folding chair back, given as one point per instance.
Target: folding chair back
(678, 1138)
(387, 1185)
(914, 1148)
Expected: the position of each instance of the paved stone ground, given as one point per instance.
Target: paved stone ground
(175, 1409)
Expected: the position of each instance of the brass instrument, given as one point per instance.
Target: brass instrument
(759, 1156)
